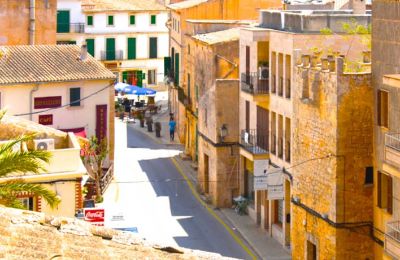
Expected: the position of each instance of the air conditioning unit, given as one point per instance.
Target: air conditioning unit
(44, 144)
(263, 72)
(15, 148)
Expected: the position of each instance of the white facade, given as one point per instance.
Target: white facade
(121, 30)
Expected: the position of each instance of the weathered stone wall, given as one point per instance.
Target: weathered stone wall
(14, 28)
(332, 146)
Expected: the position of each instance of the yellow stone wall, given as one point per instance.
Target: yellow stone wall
(332, 146)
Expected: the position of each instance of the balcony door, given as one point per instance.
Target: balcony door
(248, 64)
(63, 20)
(110, 49)
(262, 128)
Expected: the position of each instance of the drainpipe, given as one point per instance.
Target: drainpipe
(32, 7)
(34, 89)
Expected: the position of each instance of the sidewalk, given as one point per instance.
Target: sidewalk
(265, 246)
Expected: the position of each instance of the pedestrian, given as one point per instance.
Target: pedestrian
(127, 105)
(172, 125)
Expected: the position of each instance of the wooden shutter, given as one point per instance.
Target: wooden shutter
(247, 60)
(131, 48)
(139, 77)
(74, 95)
(63, 21)
(167, 66)
(177, 69)
(90, 20)
(153, 19)
(132, 20)
(262, 128)
(110, 49)
(188, 85)
(247, 116)
(389, 208)
(379, 190)
(153, 48)
(110, 20)
(125, 77)
(90, 46)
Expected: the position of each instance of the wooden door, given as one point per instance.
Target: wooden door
(262, 128)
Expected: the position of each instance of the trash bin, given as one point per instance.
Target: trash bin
(157, 126)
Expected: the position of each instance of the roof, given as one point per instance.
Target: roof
(48, 63)
(121, 5)
(186, 4)
(34, 235)
(219, 36)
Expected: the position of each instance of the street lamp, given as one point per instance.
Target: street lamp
(223, 132)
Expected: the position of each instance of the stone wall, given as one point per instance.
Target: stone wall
(332, 146)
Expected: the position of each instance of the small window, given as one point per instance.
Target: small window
(369, 175)
(132, 20)
(385, 192)
(110, 20)
(27, 203)
(74, 97)
(383, 108)
(151, 77)
(153, 19)
(90, 20)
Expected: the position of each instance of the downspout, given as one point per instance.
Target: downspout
(32, 7)
(34, 89)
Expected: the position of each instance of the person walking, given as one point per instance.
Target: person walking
(127, 104)
(172, 125)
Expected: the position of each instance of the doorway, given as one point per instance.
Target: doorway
(206, 173)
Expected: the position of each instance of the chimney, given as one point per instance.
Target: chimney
(83, 52)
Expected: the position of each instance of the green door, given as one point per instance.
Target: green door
(139, 78)
(131, 48)
(63, 21)
(110, 49)
(176, 69)
(90, 46)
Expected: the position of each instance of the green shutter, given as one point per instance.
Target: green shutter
(63, 21)
(153, 19)
(125, 77)
(110, 20)
(153, 48)
(90, 46)
(74, 95)
(110, 49)
(90, 20)
(132, 20)
(177, 69)
(131, 48)
(139, 77)
(167, 66)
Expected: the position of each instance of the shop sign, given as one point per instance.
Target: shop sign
(94, 216)
(261, 182)
(101, 122)
(275, 186)
(46, 119)
(260, 166)
(47, 102)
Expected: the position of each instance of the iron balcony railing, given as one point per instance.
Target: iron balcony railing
(393, 141)
(254, 142)
(254, 83)
(392, 239)
(112, 55)
(70, 28)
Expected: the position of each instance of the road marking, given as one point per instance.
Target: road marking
(211, 211)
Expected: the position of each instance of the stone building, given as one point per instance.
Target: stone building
(213, 66)
(331, 209)
(28, 22)
(183, 11)
(266, 104)
(386, 82)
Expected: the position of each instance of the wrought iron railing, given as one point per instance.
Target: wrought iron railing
(70, 28)
(393, 141)
(392, 239)
(254, 142)
(112, 55)
(254, 83)
(106, 179)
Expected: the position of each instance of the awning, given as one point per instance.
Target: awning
(77, 131)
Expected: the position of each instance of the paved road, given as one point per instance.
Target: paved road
(150, 194)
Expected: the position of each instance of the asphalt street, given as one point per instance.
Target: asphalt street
(149, 194)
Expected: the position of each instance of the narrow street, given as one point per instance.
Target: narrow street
(148, 193)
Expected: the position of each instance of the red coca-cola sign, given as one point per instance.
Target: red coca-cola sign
(94, 215)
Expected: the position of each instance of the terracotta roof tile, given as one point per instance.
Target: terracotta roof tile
(121, 5)
(219, 36)
(48, 63)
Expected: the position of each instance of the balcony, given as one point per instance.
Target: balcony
(71, 28)
(111, 55)
(392, 149)
(255, 85)
(392, 239)
(254, 143)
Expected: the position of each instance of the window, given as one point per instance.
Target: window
(151, 77)
(188, 84)
(369, 175)
(110, 20)
(383, 108)
(74, 97)
(178, 25)
(89, 20)
(153, 48)
(90, 46)
(153, 19)
(189, 49)
(205, 117)
(385, 192)
(132, 20)
(63, 20)
(27, 203)
(131, 48)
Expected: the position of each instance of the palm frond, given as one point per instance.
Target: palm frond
(2, 113)
(14, 187)
(20, 139)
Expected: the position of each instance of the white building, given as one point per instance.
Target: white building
(130, 37)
